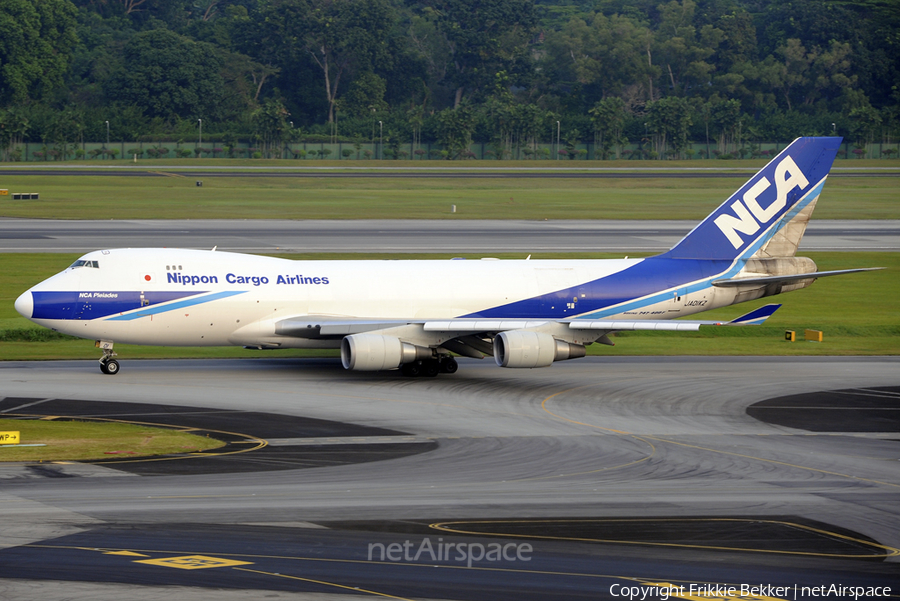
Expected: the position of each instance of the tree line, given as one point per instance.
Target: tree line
(508, 73)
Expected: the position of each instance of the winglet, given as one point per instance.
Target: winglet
(755, 317)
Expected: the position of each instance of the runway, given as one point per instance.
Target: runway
(464, 237)
(616, 472)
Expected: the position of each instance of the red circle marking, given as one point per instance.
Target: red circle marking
(147, 277)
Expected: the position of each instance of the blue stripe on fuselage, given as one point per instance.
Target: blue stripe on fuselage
(199, 300)
(94, 304)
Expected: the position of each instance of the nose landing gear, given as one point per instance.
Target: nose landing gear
(108, 365)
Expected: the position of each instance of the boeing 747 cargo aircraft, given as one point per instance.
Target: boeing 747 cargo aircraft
(415, 315)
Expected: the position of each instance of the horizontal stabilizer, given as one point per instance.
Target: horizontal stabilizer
(776, 279)
(754, 318)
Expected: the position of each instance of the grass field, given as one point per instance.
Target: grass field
(178, 197)
(79, 441)
(857, 313)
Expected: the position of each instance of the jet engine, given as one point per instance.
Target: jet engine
(373, 352)
(524, 348)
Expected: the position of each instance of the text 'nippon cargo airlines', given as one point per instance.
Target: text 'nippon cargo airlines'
(413, 315)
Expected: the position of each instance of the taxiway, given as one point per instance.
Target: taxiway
(406, 236)
(615, 471)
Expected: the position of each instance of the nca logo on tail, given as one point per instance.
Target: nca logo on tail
(750, 214)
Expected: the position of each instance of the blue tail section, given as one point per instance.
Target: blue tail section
(763, 205)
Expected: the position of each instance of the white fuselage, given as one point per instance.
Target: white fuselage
(202, 298)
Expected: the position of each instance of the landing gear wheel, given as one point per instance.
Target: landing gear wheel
(411, 370)
(449, 365)
(108, 365)
(430, 368)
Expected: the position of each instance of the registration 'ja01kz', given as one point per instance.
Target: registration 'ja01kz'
(415, 315)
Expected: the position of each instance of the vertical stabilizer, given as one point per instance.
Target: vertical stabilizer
(767, 216)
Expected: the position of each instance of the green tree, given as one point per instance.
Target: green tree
(864, 123)
(366, 93)
(703, 109)
(270, 122)
(455, 130)
(669, 119)
(416, 118)
(341, 36)
(244, 77)
(430, 47)
(801, 75)
(605, 52)
(683, 49)
(608, 118)
(498, 114)
(169, 75)
(67, 127)
(726, 118)
(13, 127)
(530, 121)
(36, 41)
(483, 37)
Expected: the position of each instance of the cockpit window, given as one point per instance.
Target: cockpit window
(83, 263)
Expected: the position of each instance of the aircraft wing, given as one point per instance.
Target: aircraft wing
(753, 318)
(338, 327)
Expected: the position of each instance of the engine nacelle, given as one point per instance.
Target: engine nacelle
(373, 352)
(524, 348)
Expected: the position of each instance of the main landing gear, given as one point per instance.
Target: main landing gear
(108, 365)
(430, 367)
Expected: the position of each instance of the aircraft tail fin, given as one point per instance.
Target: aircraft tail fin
(767, 216)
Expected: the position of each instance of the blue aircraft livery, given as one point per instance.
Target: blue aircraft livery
(763, 205)
(418, 316)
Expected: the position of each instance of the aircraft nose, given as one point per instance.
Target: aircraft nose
(25, 304)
